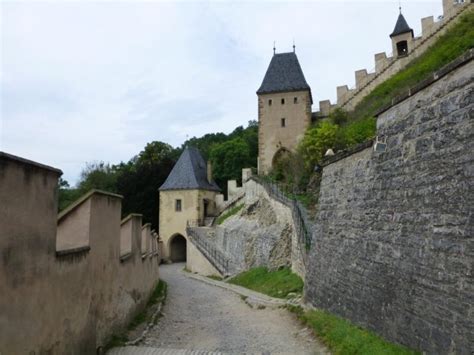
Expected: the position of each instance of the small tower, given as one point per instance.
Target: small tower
(402, 37)
(284, 109)
(187, 196)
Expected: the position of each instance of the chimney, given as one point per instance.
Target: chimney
(209, 172)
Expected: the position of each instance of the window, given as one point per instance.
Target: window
(283, 122)
(295, 100)
(402, 48)
(282, 101)
(177, 206)
(270, 102)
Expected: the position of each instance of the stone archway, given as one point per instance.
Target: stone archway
(177, 248)
(281, 155)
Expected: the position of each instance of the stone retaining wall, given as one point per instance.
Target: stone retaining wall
(393, 245)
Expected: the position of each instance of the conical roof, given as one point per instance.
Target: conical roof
(401, 26)
(283, 74)
(189, 173)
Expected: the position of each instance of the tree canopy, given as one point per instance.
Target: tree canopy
(138, 179)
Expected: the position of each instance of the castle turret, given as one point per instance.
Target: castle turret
(284, 109)
(187, 196)
(402, 37)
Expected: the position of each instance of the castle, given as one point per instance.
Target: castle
(393, 230)
(285, 100)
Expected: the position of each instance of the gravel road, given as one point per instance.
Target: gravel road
(198, 316)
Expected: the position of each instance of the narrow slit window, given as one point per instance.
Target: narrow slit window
(282, 101)
(177, 206)
(283, 122)
(270, 102)
(295, 100)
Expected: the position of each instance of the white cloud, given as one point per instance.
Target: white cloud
(83, 81)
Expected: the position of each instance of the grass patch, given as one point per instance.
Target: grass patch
(277, 283)
(343, 337)
(158, 295)
(229, 213)
(215, 277)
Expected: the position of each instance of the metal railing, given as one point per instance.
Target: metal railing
(216, 257)
(299, 214)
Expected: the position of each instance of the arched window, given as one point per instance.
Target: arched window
(402, 48)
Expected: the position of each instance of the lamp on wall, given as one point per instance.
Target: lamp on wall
(380, 145)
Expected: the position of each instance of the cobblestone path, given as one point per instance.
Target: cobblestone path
(202, 319)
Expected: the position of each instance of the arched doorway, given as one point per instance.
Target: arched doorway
(178, 248)
(280, 163)
(280, 156)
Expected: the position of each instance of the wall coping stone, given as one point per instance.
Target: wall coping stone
(83, 199)
(145, 225)
(17, 159)
(129, 217)
(346, 153)
(435, 76)
(125, 257)
(77, 250)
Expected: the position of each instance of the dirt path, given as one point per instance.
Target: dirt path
(198, 316)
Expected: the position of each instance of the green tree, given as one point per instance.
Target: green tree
(316, 141)
(139, 179)
(228, 159)
(98, 175)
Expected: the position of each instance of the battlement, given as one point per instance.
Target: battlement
(71, 263)
(386, 65)
(234, 192)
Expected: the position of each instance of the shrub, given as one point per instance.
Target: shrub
(316, 141)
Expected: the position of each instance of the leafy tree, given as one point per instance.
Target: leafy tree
(338, 116)
(316, 141)
(228, 159)
(139, 179)
(66, 195)
(98, 175)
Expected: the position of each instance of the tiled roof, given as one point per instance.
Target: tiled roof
(189, 173)
(401, 26)
(283, 74)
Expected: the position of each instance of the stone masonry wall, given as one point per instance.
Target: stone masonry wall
(393, 246)
(262, 234)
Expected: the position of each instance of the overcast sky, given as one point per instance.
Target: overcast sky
(95, 81)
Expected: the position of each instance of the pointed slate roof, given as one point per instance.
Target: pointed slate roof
(189, 173)
(283, 74)
(401, 27)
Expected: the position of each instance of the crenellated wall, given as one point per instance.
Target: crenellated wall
(393, 243)
(388, 65)
(64, 287)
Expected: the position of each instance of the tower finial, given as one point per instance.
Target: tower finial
(400, 6)
(274, 48)
(294, 47)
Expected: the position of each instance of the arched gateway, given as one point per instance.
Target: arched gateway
(177, 248)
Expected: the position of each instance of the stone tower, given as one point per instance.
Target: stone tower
(284, 109)
(402, 37)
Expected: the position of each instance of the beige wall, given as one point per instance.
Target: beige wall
(271, 136)
(196, 262)
(401, 37)
(63, 301)
(192, 209)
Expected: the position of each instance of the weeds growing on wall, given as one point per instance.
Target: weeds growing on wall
(278, 283)
(229, 213)
(343, 337)
(145, 316)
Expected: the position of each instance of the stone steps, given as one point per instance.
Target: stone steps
(145, 350)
